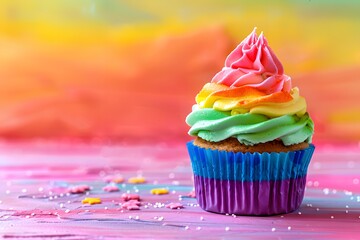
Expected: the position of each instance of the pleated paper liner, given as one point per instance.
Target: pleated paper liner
(249, 183)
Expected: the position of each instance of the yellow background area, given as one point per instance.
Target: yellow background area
(90, 57)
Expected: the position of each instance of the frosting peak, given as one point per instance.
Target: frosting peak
(253, 63)
(253, 54)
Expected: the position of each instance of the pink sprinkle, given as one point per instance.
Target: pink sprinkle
(131, 205)
(114, 179)
(78, 189)
(111, 188)
(175, 205)
(130, 196)
(191, 194)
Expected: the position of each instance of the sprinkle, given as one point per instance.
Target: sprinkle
(24, 190)
(289, 228)
(171, 175)
(191, 194)
(299, 213)
(273, 229)
(62, 205)
(198, 228)
(316, 184)
(201, 218)
(77, 189)
(131, 205)
(111, 188)
(326, 191)
(174, 205)
(332, 217)
(159, 191)
(67, 210)
(136, 180)
(186, 227)
(91, 201)
(129, 196)
(227, 229)
(114, 179)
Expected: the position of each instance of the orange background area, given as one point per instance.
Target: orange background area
(115, 70)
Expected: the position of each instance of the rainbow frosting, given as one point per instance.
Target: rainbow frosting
(252, 100)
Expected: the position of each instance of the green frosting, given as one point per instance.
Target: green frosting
(248, 128)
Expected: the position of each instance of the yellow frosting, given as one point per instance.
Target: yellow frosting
(250, 100)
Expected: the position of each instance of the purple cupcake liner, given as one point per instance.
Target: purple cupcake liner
(249, 198)
(249, 183)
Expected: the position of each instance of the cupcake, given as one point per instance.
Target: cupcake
(253, 134)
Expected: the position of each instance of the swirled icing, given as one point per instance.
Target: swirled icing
(252, 100)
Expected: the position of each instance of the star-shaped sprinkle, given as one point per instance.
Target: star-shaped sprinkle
(78, 189)
(91, 201)
(131, 205)
(111, 188)
(159, 191)
(130, 196)
(175, 205)
(136, 180)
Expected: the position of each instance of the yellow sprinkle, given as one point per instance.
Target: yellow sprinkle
(136, 180)
(91, 201)
(159, 191)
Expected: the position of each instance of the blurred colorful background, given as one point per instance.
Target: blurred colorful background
(114, 70)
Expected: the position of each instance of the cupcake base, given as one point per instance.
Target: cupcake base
(249, 183)
(249, 198)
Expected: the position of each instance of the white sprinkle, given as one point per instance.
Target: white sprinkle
(299, 213)
(106, 208)
(316, 184)
(24, 190)
(61, 205)
(289, 228)
(227, 228)
(309, 183)
(348, 193)
(136, 190)
(273, 229)
(334, 191)
(137, 217)
(69, 202)
(198, 228)
(175, 182)
(27, 216)
(67, 210)
(347, 206)
(32, 214)
(160, 218)
(0, 202)
(7, 191)
(317, 209)
(347, 211)
(332, 217)
(326, 191)
(186, 227)
(202, 218)
(130, 217)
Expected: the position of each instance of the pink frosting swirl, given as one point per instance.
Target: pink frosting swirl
(253, 63)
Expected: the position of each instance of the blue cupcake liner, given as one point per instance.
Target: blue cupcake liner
(223, 165)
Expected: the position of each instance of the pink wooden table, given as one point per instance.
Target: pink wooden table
(35, 203)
